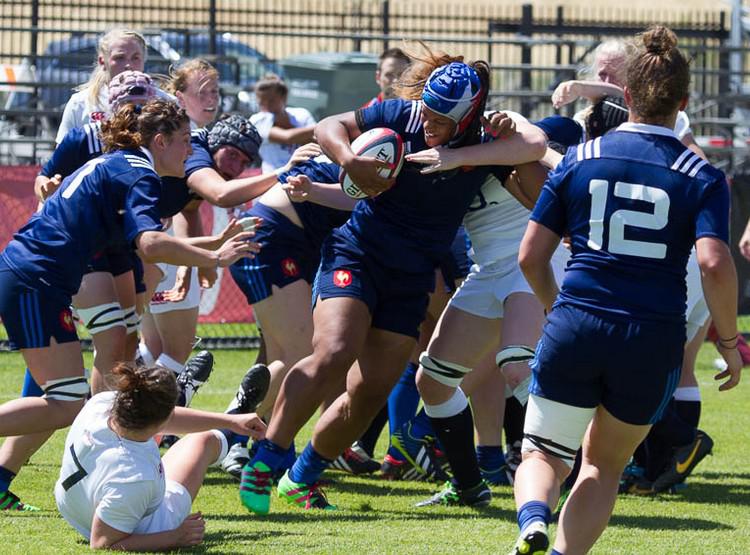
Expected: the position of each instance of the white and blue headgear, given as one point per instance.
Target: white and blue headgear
(454, 91)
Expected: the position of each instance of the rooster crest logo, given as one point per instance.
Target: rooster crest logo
(66, 320)
(342, 278)
(289, 267)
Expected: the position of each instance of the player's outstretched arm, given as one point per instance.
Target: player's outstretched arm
(187, 421)
(570, 91)
(189, 533)
(719, 278)
(157, 246)
(527, 144)
(301, 189)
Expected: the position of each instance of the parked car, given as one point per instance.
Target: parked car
(67, 63)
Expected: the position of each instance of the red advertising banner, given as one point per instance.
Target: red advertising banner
(223, 303)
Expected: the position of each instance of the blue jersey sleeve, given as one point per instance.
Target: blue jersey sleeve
(561, 130)
(549, 209)
(201, 157)
(713, 213)
(390, 113)
(66, 158)
(141, 207)
(318, 171)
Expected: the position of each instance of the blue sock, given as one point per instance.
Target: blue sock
(421, 425)
(6, 477)
(241, 439)
(290, 457)
(270, 454)
(533, 511)
(555, 552)
(490, 457)
(309, 466)
(404, 399)
(30, 387)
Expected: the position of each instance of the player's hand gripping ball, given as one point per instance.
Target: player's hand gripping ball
(382, 144)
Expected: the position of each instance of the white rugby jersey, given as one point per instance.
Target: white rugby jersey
(495, 223)
(119, 480)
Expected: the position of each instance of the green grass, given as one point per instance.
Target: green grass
(710, 516)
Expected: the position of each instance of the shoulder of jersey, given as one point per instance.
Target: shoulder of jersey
(690, 164)
(138, 162)
(200, 134)
(93, 139)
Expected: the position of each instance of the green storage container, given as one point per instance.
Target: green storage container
(330, 82)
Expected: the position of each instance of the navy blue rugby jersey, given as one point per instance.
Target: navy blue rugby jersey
(110, 200)
(633, 203)
(412, 225)
(561, 130)
(79, 145)
(82, 144)
(317, 220)
(177, 194)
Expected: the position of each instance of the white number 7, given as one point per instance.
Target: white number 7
(618, 244)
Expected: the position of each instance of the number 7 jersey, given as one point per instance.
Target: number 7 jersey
(633, 203)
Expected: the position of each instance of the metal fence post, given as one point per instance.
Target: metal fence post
(526, 30)
(212, 27)
(386, 18)
(34, 46)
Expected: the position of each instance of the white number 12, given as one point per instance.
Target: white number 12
(598, 188)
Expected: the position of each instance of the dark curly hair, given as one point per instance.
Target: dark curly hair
(145, 396)
(133, 126)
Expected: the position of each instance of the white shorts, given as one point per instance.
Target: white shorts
(697, 310)
(485, 289)
(158, 305)
(169, 515)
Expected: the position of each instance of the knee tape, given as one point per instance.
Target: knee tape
(102, 317)
(132, 320)
(514, 353)
(67, 389)
(447, 373)
(555, 428)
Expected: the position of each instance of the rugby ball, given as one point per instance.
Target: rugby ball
(381, 143)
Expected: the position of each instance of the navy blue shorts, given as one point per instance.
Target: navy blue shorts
(397, 300)
(115, 260)
(631, 368)
(140, 284)
(455, 264)
(286, 256)
(30, 317)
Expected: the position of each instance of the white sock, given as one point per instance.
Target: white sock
(166, 361)
(224, 447)
(453, 406)
(148, 358)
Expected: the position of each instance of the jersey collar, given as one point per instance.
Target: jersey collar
(646, 128)
(148, 155)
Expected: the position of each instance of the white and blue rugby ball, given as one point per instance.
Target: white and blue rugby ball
(381, 143)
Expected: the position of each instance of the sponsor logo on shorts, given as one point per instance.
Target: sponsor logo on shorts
(289, 267)
(66, 320)
(158, 298)
(342, 278)
(98, 116)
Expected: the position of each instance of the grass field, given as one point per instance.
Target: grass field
(710, 516)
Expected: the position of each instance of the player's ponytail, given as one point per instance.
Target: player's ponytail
(134, 126)
(145, 396)
(658, 75)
